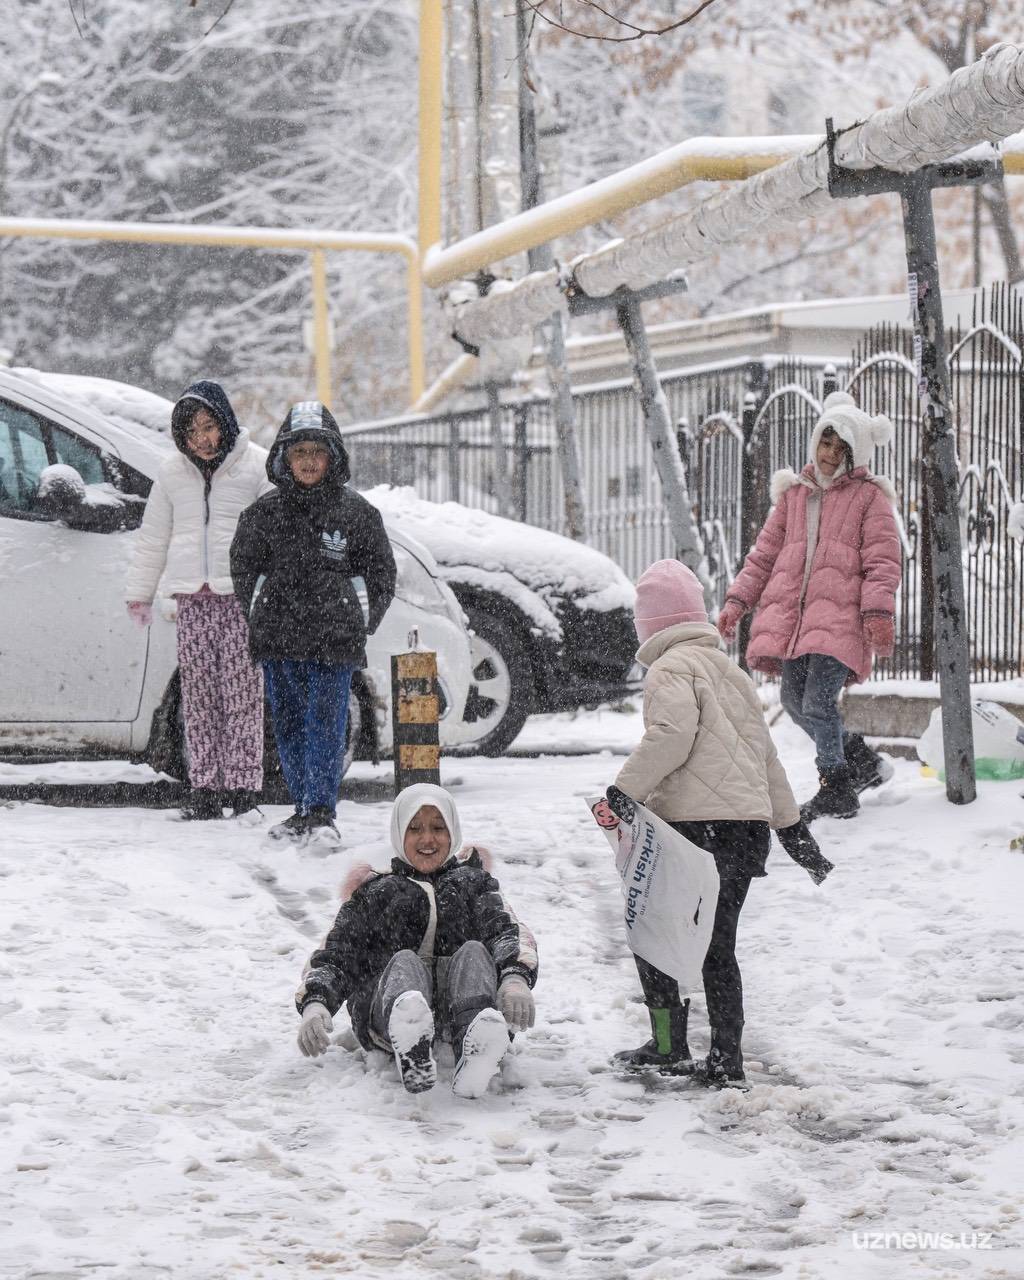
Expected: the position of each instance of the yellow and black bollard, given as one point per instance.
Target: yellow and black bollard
(414, 711)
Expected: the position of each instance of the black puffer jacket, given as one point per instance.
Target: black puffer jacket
(392, 912)
(297, 550)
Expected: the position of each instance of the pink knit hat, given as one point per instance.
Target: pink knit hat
(667, 593)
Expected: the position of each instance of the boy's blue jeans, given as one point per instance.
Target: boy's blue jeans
(811, 686)
(309, 707)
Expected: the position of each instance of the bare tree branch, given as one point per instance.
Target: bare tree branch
(227, 9)
(537, 6)
(802, 254)
(78, 25)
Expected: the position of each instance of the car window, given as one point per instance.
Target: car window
(78, 453)
(22, 459)
(127, 479)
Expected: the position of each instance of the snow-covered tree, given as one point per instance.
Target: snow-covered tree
(279, 118)
(306, 116)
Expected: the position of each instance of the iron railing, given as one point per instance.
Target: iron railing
(738, 421)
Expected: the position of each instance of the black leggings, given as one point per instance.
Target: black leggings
(723, 983)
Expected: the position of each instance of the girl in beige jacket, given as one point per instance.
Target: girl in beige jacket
(706, 765)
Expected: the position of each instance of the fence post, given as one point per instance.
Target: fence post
(521, 451)
(499, 454)
(683, 442)
(454, 460)
(748, 505)
(415, 707)
(829, 380)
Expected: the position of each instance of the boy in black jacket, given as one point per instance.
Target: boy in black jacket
(296, 563)
(434, 935)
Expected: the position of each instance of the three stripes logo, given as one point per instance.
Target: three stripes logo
(307, 416)
(333, 544)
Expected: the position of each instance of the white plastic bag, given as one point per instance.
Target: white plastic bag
(998, 752)
(670, 888)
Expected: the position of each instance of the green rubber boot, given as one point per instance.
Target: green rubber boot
(667, 1050)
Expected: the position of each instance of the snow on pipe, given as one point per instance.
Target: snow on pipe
(983, 102)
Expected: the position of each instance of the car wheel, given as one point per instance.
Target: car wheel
(503, 680)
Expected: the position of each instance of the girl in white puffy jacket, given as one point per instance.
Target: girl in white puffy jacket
(184, 541)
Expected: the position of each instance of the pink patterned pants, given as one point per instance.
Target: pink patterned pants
(221, 694)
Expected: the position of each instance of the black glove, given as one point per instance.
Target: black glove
(620, 804)
(803, 849)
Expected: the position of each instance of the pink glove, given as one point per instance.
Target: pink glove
(140, 613)
(880, 633)
(729, 618)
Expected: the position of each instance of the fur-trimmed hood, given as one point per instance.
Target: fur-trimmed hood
(360, 872)
(786, 478)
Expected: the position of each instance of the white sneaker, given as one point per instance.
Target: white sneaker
(483, 1047)
(411, 1032)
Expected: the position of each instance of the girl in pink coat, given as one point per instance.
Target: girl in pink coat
(823, 576)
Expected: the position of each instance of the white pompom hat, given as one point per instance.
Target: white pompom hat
(862, 432)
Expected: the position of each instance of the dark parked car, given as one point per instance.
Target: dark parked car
(552, 619)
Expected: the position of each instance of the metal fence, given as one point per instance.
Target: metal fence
(737, 422)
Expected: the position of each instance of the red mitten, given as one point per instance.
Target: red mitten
(729, 618)
(880, 633)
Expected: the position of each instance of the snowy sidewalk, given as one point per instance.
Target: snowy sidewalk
(158, 1120)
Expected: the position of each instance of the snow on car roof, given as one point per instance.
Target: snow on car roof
(547, 562)
(119, 403)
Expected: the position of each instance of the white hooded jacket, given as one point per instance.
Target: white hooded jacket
(185, 537)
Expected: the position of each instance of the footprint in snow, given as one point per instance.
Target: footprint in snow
(290, 904)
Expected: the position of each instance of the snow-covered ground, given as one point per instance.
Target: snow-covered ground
(157, 1119)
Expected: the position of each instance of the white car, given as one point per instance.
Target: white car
(79, 678)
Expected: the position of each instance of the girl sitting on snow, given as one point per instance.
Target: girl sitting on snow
(823, 576)
(433, 937)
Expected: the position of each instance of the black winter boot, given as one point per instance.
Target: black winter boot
(202, 805)
(321, 831)
(667, 1050)
(719, 1070)
(867, 768)
(293, 828)
(836, 797)
(244, 804)
(724, 1064)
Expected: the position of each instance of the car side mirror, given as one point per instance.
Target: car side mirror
(61, 491)
(63, 494)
